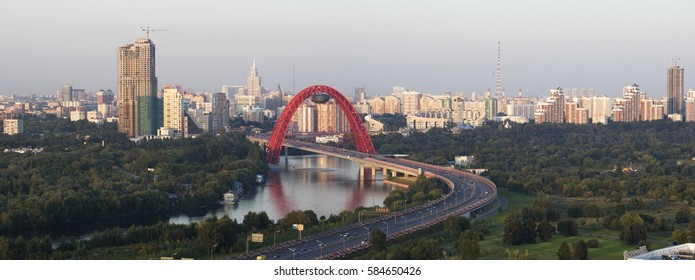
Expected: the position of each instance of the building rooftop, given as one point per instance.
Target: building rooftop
(679, 252)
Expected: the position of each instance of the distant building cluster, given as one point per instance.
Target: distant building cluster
(69, 103)
(576, 106)
(142, 110)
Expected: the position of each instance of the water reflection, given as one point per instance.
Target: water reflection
(325, 184)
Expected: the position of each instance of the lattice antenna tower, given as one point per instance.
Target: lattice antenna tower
(499, 90)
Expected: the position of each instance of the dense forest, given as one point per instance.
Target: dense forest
(648, 159)
(615, 177)
(87, 173)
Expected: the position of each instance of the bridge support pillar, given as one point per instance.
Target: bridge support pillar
(373, 173)
(394, 173)
(286, 156)
(384, 172)
(361, 172)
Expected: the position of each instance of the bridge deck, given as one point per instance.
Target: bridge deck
(469, 193)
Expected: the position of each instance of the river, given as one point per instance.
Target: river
(327, 185)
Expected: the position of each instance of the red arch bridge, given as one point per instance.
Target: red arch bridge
(471, 194)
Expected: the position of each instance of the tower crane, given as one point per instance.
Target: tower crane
(148, 30)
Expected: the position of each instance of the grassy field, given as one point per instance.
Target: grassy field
(610, 246)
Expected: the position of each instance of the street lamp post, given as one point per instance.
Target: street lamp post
(274, 235)
(422, 217)
(320, 249)
(387, 228)
(343, 236)
(294, 252)
(456, 196)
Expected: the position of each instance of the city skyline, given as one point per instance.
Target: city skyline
(428, 47)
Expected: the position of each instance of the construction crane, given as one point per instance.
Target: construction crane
(148, 30)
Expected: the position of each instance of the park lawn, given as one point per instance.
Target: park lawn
(516, 202)
(610, 246)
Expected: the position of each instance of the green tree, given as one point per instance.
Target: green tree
(455, 225)
(634, 229)
(568, 227)
(307, 218)
(683, 215)
(529, 231)
(679, 236)
(579, 250)
(257, 221)
(5, 248)
(207, 235)
(377, 240)
(426, 249)
(513, 231)
(468, 246)
(592, 243)
(691, 232)
(564, 253)
(545, 230)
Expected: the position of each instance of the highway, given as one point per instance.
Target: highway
(469, 192)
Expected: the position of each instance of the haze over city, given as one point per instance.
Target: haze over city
(431, 47)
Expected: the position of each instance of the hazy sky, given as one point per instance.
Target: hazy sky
(429, 46)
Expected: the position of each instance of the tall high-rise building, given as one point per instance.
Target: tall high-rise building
(308, 118)
(553, 109)
(104, 97)
(651, 110)
(254, 81)
(674, 90)
(411, 102)
(360, 94)
(600, 109)
(630, 104)
(173, 111)
(491, 107)
(576, 114)
(79, 94)
(220, 113)
(377, 105)
(66, 93)
(330, 118)
(232, 90)
(690, 106)
(138, 106)
(520, 106)
(392, 105)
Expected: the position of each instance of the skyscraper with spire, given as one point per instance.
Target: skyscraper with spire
(254, 81)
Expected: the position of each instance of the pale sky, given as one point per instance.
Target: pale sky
(429, 46)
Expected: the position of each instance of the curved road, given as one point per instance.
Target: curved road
(469, 192)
